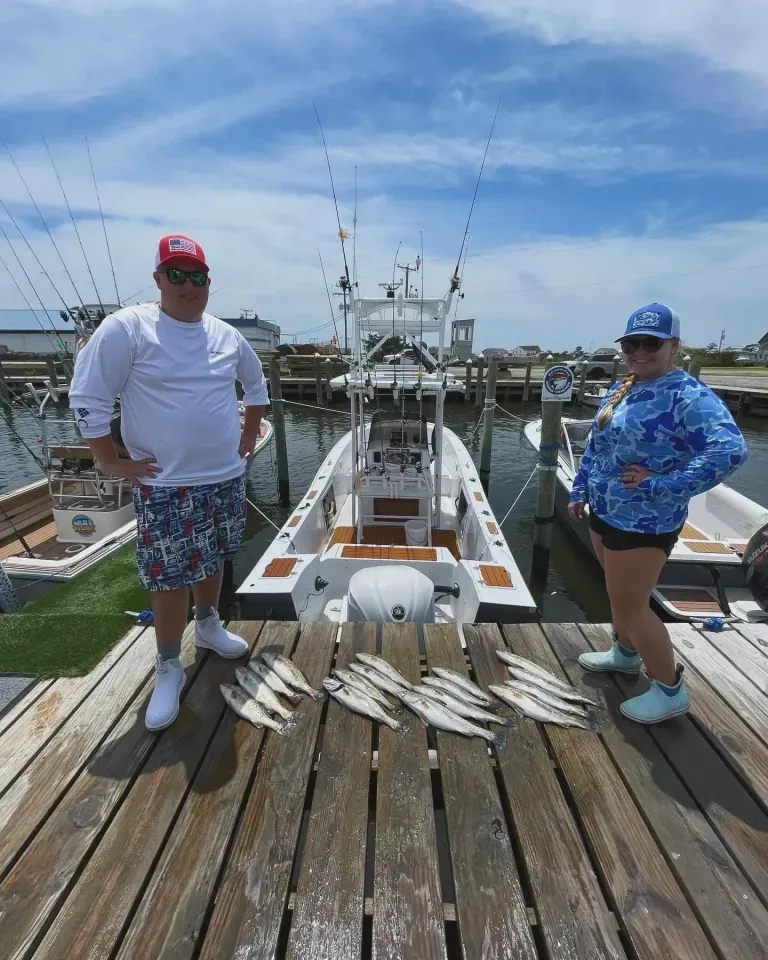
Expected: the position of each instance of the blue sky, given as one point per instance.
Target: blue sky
(628, 162)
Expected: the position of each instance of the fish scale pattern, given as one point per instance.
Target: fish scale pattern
(677, 428)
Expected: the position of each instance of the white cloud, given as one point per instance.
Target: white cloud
(730, 36)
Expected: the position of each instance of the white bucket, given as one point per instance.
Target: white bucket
(415, 533)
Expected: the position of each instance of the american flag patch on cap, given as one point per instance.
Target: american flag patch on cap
(182, 245)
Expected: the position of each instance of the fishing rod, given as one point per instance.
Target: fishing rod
(74, 223)
(37, 259)
(42, 220)
(455, 278)
(21, 291)
(103, 222)
(29, 281)
(335, 200)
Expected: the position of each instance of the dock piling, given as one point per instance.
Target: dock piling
(479, 387)
(527, 384)
(488, 417)
(551, 416)
(582, 385)
(278, 422)
(468, 382)
(615, 369)
(319, 381)
(695, 369)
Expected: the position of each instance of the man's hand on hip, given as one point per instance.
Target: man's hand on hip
(133, 470)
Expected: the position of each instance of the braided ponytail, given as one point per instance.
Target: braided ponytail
(606, 414)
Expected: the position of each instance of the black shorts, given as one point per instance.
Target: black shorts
(615, 539)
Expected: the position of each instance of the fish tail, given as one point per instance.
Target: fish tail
(317, 695)
(499, 740)
(506, 721)
(293, 697)
(593, 725)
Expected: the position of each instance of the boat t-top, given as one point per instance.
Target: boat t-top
(395, 526)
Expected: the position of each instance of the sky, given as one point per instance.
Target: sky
(628, 162)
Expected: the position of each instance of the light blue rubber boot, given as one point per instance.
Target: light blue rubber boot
(616, 660)
(659, 703)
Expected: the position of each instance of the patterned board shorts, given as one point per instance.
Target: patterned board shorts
(185, 532)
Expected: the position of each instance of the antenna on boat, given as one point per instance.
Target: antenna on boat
(330, 302)
(455, 281)
(42, 220)
(74, 223)
(354, 236)
(103, 223)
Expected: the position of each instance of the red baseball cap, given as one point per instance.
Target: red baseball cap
(177, 245)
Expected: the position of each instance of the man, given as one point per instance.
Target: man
(174, 367)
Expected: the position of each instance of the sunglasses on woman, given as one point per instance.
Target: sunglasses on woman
(198, 278)
(649, 344)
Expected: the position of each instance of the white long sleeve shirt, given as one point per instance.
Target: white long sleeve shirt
(176, 383)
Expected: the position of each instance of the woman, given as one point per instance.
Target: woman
(659, 438)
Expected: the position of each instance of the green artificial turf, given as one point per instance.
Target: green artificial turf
(68, 632)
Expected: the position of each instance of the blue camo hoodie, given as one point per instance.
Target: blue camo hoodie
(677, 428)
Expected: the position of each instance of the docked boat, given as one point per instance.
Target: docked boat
(704, 576)
(395, 525)
(400, 373)
(75, 516)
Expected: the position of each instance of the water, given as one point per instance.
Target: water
(575, 590)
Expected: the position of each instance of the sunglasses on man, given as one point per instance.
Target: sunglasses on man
(648, 344)
(176, 276)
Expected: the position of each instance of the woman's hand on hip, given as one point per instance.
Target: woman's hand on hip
(634, 475)
(576, 509)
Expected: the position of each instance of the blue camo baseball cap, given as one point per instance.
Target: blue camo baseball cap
(655, 320)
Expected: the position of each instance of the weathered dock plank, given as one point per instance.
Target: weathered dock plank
(251, 898)
(328, 916)
(725, 903)
(572, 913)
(490, 904)
(647, 900)
(407, 902)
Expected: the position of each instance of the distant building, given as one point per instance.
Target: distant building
(495, 353)
(20, 332)
(762, 349)
(528, 354)
(261, 334)
(462, 335)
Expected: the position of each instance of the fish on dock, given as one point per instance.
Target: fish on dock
(271, 678)
(247, 708)
(564, 693)
(529, 707)
(520, 663)
(440, 683)
(461, 707)
(355, 700)
(289, 673)
(386, 669)
(434, 713)
(550, 699)
(379, 680)
(262, 693)
(464, 683)
(352, 679)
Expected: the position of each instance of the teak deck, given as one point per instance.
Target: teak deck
(217, 840)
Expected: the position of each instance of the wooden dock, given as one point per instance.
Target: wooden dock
(218, 840)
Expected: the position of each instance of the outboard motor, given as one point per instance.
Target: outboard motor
(391, 594)
(755, 565)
